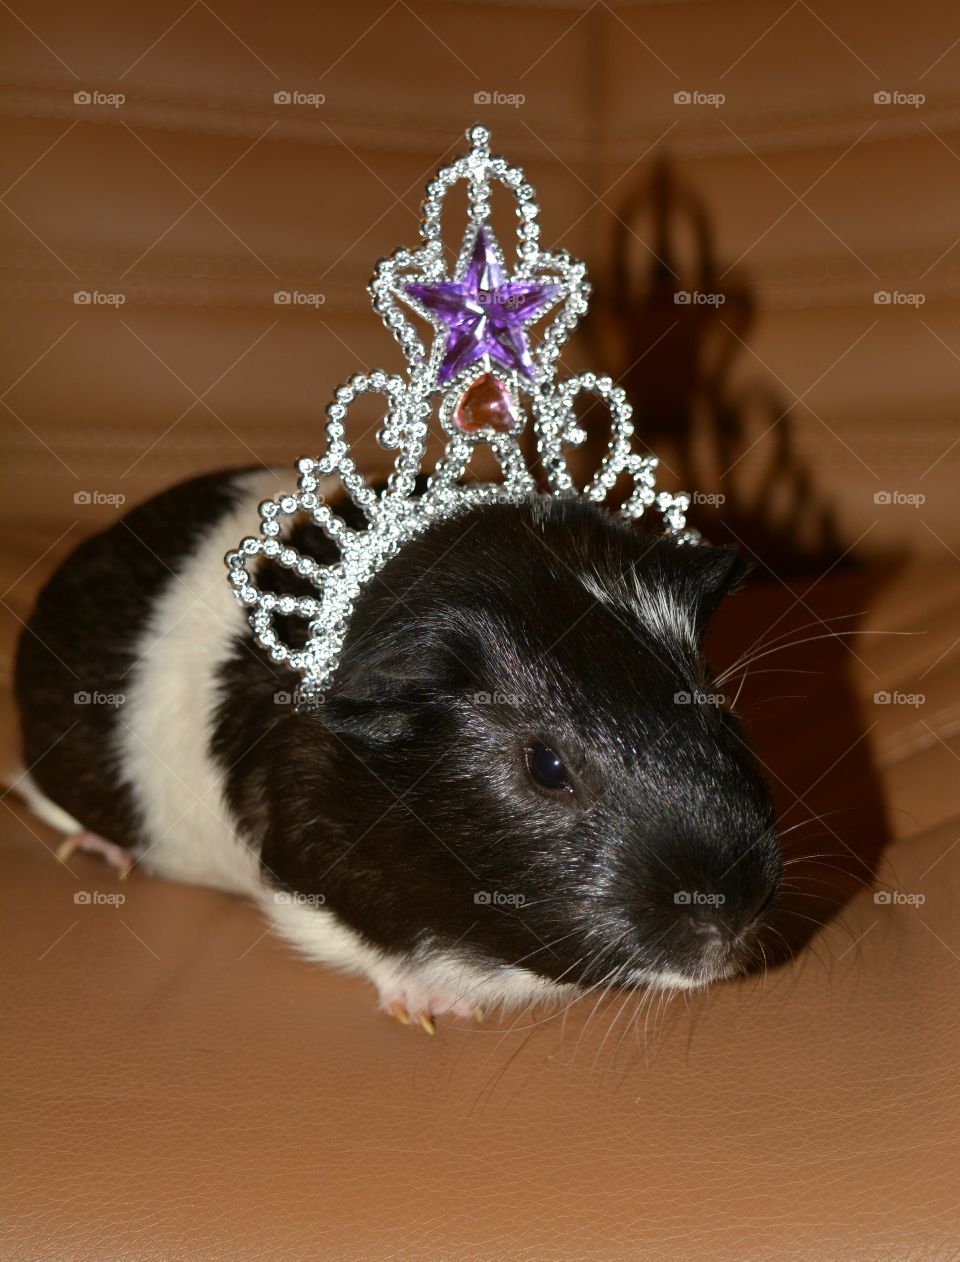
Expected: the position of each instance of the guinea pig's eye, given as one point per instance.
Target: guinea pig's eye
(546, 768)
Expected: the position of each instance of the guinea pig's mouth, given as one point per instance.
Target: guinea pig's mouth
(696, 961)
(694, 951)
(708, 942)
(675, 979)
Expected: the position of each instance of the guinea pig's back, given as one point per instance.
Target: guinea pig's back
(116, 671)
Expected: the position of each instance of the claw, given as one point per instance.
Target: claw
(478, 1015)
(67, 849)
(115, 855)
(426, 1023)
(399, 1013)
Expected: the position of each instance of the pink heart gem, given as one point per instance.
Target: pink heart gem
(486, 405)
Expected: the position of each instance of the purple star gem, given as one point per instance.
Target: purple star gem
(485, 314)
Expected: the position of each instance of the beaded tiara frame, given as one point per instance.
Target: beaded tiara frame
(479, 372)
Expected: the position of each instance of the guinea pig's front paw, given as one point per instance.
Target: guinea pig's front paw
(408, 1004)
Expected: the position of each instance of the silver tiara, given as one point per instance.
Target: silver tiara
(478, 371)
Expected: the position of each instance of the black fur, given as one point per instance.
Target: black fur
(80, 640)
(407, 795)
(405, 800)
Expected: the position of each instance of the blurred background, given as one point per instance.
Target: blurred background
(195, 196)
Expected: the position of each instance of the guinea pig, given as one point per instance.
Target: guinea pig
(517, 786)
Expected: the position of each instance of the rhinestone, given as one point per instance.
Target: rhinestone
(486, 405)
(481, 409)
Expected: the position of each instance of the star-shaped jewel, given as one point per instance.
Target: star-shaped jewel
(484, 313)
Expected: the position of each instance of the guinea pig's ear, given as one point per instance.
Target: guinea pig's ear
(387, 686)
(711, 574)
(367, 720)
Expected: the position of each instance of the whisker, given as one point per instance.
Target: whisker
(810, 639)
(762, 641)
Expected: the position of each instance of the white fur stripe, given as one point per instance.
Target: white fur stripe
(166, 726)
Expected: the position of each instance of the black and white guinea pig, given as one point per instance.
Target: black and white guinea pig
(500, 800)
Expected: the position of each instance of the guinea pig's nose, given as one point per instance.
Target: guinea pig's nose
(721, 921)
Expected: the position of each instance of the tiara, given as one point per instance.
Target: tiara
(478, 372)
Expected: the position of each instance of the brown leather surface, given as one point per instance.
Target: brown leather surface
(178, 1086)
